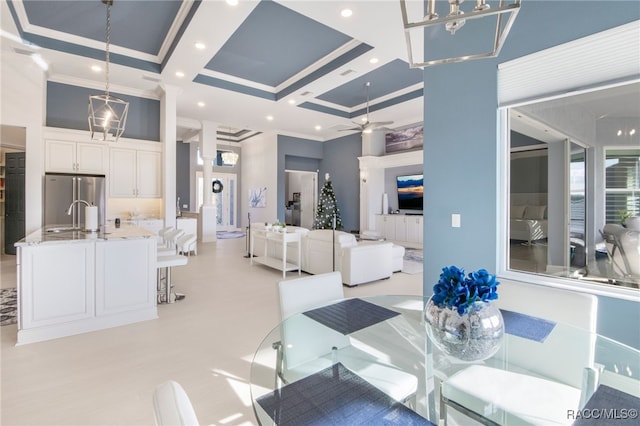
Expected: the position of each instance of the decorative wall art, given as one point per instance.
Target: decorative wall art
(407, 139)
(258, 197)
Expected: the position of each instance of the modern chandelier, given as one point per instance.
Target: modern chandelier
(107, 114)
(427, 33)
(230, 157)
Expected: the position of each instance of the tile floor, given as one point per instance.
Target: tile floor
(205, 342)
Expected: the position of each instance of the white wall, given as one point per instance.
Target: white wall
(259, 170)
(22, 89)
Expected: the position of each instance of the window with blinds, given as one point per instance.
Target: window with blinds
(622, 187)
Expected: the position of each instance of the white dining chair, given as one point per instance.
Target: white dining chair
(539, 385)
(172, 406)
(324, 346)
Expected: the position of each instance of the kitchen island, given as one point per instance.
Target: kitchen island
(72, 282)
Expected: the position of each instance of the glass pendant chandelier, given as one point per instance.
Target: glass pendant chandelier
(107, 114)
(230, 157)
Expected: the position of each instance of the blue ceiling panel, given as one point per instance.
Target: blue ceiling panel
(273, 44)
(140, 25)
(389, 78)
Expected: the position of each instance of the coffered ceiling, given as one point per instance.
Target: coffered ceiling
(296, 67)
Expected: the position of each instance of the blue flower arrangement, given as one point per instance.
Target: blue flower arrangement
(455, 290)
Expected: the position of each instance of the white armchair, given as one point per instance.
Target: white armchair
(623, 250)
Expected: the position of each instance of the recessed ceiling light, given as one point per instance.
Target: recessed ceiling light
(201, 104)
(96, 68)
(373, 60)
(200, 46)
(232, 2)
(292, 101)
(345, 13)
(318, 127)
(270, 117)
(632, 132)
(179, 74)
(619, 132)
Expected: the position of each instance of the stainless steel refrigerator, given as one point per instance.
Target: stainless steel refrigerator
(61, 190)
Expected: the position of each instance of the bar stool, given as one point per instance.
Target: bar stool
(171, 242)
(187, 244)
(165, 295)
(162, 232)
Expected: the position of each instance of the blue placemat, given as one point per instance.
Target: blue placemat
(336, 396)
(350, 315)
(608, 406)
(526, 326)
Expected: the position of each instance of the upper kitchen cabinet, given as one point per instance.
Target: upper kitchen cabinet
(75, 157)
(135, 173)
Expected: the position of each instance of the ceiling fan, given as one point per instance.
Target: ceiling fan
(367, 126)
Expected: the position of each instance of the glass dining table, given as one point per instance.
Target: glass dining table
(315, 368)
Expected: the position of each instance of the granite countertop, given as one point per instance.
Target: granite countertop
(61, 234)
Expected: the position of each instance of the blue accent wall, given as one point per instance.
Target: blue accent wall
(341, 162)
(461, 146)
(67, 108)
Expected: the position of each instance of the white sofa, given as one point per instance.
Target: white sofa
(358, 263)
(528, 222)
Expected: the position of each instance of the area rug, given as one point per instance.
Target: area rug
(412, 262)
(225, 235)
(8, 306)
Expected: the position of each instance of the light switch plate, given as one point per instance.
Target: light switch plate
(455, 220)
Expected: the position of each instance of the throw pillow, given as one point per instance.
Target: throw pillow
(517, 212)
(534, 212)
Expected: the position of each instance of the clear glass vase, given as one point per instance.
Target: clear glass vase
(473, 336)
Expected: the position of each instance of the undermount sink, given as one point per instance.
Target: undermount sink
(63, 229)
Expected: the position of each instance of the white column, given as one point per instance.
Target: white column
(168, 118)
(208, 147)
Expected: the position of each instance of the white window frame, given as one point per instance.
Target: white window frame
(569, 69)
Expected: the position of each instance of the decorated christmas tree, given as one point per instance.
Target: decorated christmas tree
(327, 208)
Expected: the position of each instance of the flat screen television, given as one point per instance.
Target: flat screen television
(410, 192)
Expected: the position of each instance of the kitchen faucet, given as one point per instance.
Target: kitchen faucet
(73, 203)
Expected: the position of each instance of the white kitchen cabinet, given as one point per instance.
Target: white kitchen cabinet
(74, 282)
(75, 157)
(135, 173)
(125, 276)
(151, 225)
(405, 230)
(56, 284)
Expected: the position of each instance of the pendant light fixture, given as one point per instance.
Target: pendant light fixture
(433, 39)
(230, 158)
(107, 114)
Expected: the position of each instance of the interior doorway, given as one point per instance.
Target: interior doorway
(301, 189)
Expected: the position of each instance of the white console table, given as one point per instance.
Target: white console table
(282, 238)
